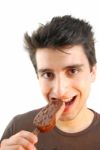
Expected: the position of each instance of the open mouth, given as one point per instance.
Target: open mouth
(69, 103)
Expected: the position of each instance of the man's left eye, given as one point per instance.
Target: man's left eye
(73, 71)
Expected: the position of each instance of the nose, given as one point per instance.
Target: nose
(60, 88)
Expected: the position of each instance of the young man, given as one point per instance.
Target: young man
(63, 54)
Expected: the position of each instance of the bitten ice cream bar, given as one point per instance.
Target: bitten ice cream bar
(45, 120)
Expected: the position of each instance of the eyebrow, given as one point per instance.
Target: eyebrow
(73, 66)
(45, 70)
(66, 67)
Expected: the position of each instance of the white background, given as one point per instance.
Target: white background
(19, 89)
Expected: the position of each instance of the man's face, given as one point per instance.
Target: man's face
(65, 76)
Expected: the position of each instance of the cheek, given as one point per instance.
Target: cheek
(45, 88)
(83, 86)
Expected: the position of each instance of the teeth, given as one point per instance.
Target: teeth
(69, 99)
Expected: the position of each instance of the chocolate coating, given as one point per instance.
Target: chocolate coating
(45, 120)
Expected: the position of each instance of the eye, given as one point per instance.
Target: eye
(73, 71)
(48, 75)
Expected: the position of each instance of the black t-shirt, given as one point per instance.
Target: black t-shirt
(88, 139)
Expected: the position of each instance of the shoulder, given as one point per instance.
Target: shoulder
(97, 116)
(20, 122)
(96, 120)
(26, 116)
(24, 121)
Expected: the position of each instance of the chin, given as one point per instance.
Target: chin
(68, 117)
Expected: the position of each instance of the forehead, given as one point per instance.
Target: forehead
(66, 55)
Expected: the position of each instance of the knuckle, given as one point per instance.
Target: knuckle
(28, 145)
(19, 147)
(21, 132)
(17, 140)
(4, 142)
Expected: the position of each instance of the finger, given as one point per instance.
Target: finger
(21, 141)
(24, 138)
(26, 135)
(12, 147)
(16, 147)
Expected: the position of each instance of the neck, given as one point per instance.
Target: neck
(79, 123)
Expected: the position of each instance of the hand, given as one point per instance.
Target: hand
(23, 140)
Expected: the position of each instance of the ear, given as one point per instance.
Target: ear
(93, 73)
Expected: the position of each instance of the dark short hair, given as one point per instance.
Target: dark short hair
(62, 31)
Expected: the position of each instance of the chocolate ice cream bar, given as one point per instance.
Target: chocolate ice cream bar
(45, 120)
